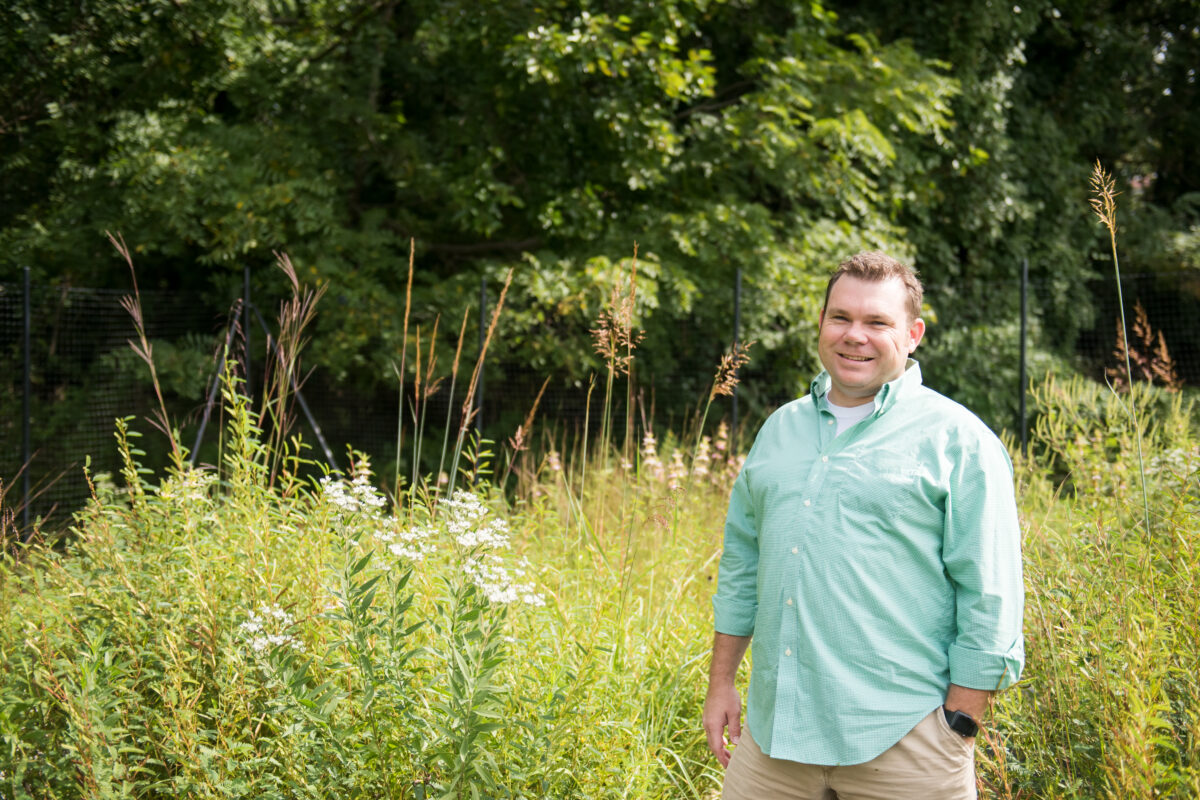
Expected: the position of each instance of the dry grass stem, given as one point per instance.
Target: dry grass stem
(1104, 203)
(142, 347)
(432, 384)
(412, 247)
(462, 332)
(467, 411)
(520, 440)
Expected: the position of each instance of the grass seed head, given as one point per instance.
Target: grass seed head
(1104, 198)
(727, 372)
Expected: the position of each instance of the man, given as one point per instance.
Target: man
(872, 551)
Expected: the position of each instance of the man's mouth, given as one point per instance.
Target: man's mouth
(855, 358)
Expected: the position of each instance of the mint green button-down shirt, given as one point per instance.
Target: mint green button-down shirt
(873, 569)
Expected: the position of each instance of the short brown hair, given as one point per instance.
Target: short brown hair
(874, 266)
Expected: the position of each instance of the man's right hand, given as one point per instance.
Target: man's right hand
(722, 709)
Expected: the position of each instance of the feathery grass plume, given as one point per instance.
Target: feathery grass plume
(726, 378)
(143, 348)
(1104, 203)
(614, 339)
(724, 381)
(280, 382)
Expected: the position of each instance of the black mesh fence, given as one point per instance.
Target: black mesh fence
(83, 375)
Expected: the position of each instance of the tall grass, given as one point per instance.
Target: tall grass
(1111, 698)
(249, 630)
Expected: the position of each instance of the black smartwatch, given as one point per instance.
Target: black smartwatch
(960, 723)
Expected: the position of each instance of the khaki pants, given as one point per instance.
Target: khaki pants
(931, 762)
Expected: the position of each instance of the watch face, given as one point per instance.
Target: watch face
(961, 723)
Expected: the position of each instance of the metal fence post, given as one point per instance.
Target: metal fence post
(1023, 375)
(27, 393)
(737, 330)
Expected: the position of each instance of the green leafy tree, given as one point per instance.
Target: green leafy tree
(1047, 89)
(718, 135)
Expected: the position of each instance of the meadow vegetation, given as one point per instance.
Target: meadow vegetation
(538, 625)
(222, 633)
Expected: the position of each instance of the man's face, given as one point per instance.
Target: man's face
(866, 337)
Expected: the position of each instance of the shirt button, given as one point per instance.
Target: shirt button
(824, 458)
(789, 601)
(808, 502)
(795, 550)
(787, 652)
(830, 422)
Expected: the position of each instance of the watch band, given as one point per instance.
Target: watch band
(960, 723)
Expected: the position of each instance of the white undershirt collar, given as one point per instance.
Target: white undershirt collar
(849, 416)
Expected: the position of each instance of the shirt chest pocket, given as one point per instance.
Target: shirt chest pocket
(879, 486)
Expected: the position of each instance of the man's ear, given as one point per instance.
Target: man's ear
(820, 319)
(916, 332)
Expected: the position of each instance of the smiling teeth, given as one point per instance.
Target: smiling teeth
(857, 358)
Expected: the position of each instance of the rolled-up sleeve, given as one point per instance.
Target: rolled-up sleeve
(982, 555)
(735, 604)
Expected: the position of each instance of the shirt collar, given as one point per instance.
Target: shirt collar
(887, 395)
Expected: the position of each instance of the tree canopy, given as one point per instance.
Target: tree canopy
(775, 137)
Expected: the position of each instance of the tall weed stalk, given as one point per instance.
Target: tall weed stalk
(1104, 203)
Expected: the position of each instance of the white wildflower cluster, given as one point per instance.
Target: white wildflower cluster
(266, 628)
(554, 461)
(500, 584)
(189, 486)
(475, 529)
(468, 521)
(357, 496)
(411, 544)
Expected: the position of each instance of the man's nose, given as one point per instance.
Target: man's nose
(857, 332)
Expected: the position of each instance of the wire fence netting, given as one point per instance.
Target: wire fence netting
(83, 375)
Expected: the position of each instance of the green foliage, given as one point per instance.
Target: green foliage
(980, 366)
(715, 134)
(219, 633)
(1047, 88)
(1110, 701)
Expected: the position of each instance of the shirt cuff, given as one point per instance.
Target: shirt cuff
(989, 672)
(734, 617)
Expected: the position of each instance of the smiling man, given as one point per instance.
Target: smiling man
(872, 557)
